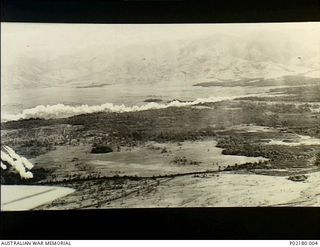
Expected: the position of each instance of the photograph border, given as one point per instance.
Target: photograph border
(161, 223)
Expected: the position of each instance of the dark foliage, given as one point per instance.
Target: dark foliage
(99, 149)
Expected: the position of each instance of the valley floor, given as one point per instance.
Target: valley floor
(244, 152)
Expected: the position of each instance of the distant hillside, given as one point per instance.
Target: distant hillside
(215, 58)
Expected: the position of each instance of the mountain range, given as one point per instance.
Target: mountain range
(215, 58)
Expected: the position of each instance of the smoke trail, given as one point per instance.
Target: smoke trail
(3, 166)
(62, 111)
(19, 163)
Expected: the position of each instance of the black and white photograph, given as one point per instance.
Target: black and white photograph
(104, 116)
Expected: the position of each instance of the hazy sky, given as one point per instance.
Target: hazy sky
(36, 39)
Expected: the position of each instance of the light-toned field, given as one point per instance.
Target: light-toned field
(151, 159)
(228, 190)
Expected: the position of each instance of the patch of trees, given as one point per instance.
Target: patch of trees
(184, 161)
(298, 178)
(98, 149)
(249, 166)
(284, 156)
(317, 162)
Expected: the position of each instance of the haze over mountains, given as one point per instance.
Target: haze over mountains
(211, 56)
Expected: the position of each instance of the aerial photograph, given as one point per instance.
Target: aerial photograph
(97, 116)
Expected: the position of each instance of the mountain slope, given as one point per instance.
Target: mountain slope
(220, 57)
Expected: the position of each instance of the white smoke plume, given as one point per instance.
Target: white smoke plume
(19, 163)
(3, 166)
(62, 111)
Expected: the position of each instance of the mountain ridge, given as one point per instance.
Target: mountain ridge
(222, 57)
